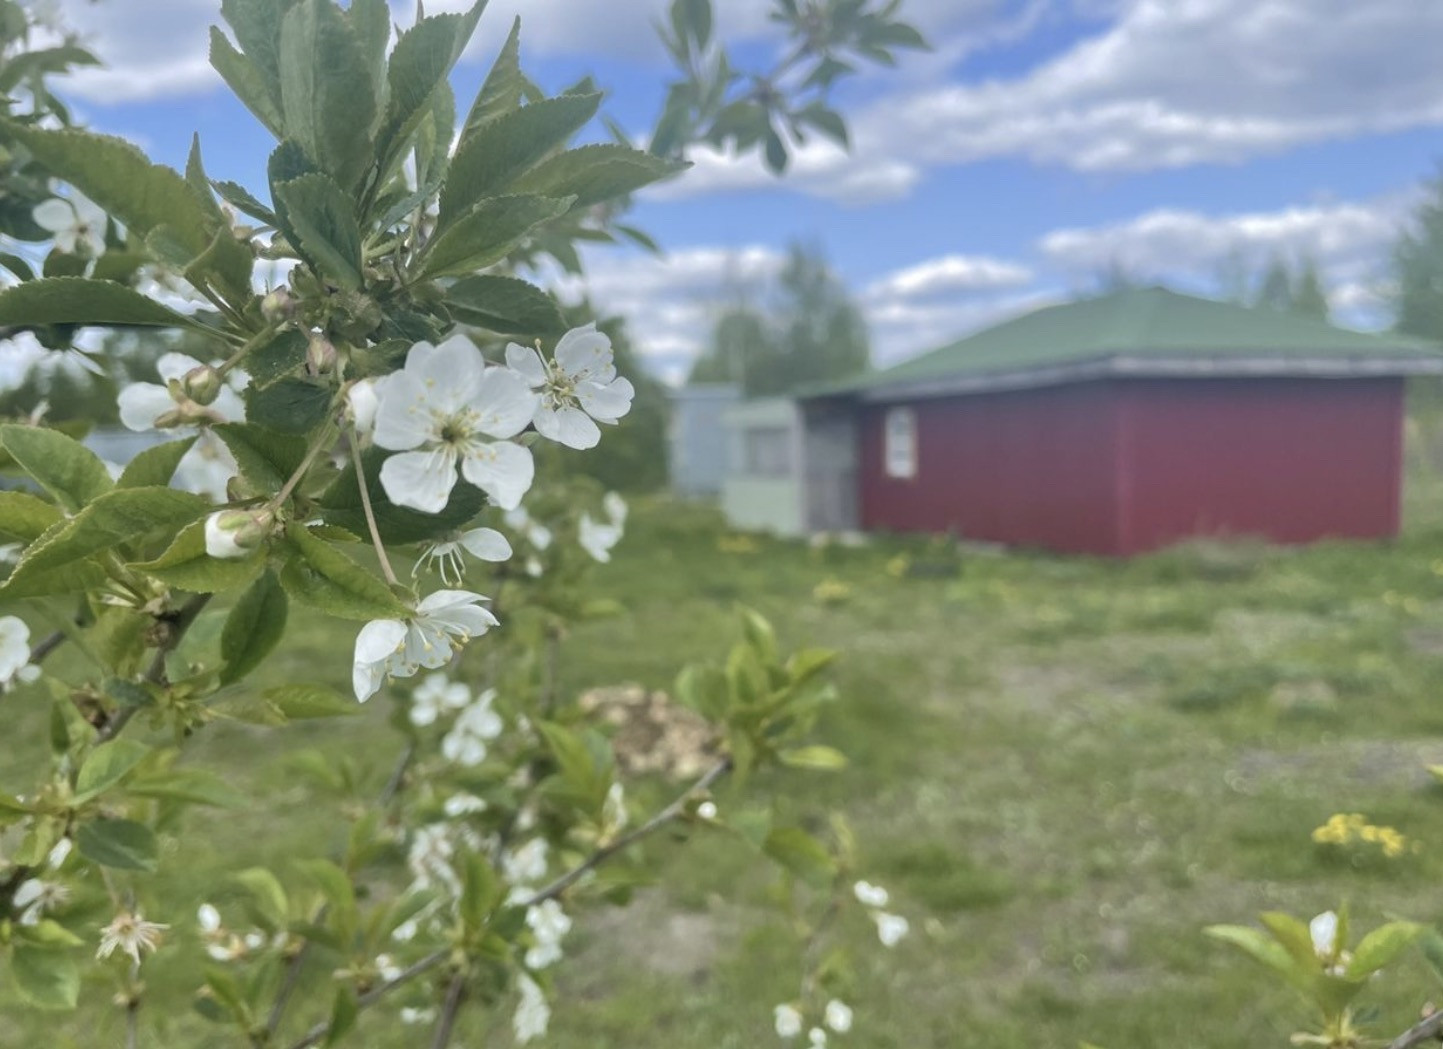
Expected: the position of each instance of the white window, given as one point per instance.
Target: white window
(899, 443)
(767, 451)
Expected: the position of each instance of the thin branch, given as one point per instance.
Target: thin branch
(318, 1033)
(370, 513)
(455, 995)
(132, 1011)
(46, 646)
(605, 852)
(1430, 1028)
(156, 673)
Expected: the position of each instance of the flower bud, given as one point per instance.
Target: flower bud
(363, 400)
(202, 384)
(320, 356)
(232, 534)
(278, 306)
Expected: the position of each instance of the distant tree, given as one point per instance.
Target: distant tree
(1234, 277)
(809, 331)
(1310, 298)
(1418, 269)
(1275, 291)
(1116, 276)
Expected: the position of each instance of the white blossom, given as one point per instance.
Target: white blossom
(526, 865)
(869, 894)
(484, 544)
(57, 855)
(226, 531)
(817, 1038)
(613, 810)
(596, 538)
(429, 859)
(130, 934)
(839, 1016)
(890, 928)
(788, 1020)
(208, 918)
(475, 726)
(533, 1015)
(533, 531)
(363, 399)
(143, 405)
(549, 924)
(442, 623)
(14, 650)
(436, 696)
(411, 1016)
(35, 897)
(707, 811)
(206, 469)
(463, 804)
(77, 224)
(447, 407)
(577, 386)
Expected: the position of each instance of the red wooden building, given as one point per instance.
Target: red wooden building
(1121, 424)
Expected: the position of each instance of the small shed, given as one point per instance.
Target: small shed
(1123, 423)
(697, 442)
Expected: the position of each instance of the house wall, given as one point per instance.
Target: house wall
(772, 499)
(1292, 460)
(1027, 467)
(698, 449)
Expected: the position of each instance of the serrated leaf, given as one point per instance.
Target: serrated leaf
(107, 765)
(108, 522)
(122, 180)
(502, 90)
(155, 466)
(255, 625)
(493, 157)
(505, 305)
(328, 99)
(593, 174)
(288, 406)
(192, 786)
(1256, 945)
(225, 267)
(304, 702)
(322, 577)
(704, 689)
(185, 564)
(200, 184)
(1380, 947)
(802, 854)
(46, 978)
(420, 62)
(266, 899)
(267, 459)
(487, 233)
(122, 844)
(1292, 934)
(25, 518)
(323, 221)
(344, 1012)
(80, 300)
(240, 198)
(274, 360)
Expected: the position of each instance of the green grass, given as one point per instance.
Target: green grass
(1062, 768)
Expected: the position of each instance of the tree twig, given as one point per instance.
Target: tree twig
(46, 645)
(370, 513)
(455, 995)
(181, 622)
(318, 1033)
(605, 852)
(1426, 1030)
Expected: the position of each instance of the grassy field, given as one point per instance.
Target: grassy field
(1063, 769)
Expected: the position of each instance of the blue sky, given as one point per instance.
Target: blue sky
(1041, 142)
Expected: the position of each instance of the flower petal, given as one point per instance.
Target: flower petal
(503, 403)
(141, 403)
(486, 544)
(527, 361)
(569, 426)
(502, 470)
(55, 215)
(175, 365)
(584, 353)
(450, 373)
(420, 480)
(607, 403)
(404, 419)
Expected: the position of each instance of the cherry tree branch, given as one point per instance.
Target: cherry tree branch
(455, 995)
(318, 1033)
(1429, 1029)
(179, 624)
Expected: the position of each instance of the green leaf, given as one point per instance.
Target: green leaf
(322, 577)
(345, 1010)
(257, 27)
(247, 81)
(303, 702)
(1256, 945)
(828, 121)
(46, 978)
(266, 899)
(759, 634)
(80, 300)
(240, 198)
(154, 467)
(267, 459)
(505, 305)
(486, 234)
(802, 854)
(341, 505)
(372, 21)
(48, 934)
(1292, 934)
(593, 174)
(122, 180)
(225, 267)
(420, 63)
(1380, 947)
(327, 96)
(200, 185)
(25, 518)
(254, 627)
(107, 765)
(122, 844)
(274, 360)
(502, 90)
(820, 758)
(495, 156)
(185, 564)
(324, 223)
(108, 522)
(192, 786)
(704, 689)
(288, 406)
(480, 891)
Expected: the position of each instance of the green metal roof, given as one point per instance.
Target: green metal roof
(1138, 326)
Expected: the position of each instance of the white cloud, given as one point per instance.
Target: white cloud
(1350, 241)
(950, 275)
(819, 167)
(159, 52)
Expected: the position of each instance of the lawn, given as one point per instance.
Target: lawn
(1062, 768)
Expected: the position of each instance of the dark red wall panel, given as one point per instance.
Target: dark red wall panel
(1292, 460)
(1031, 467)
